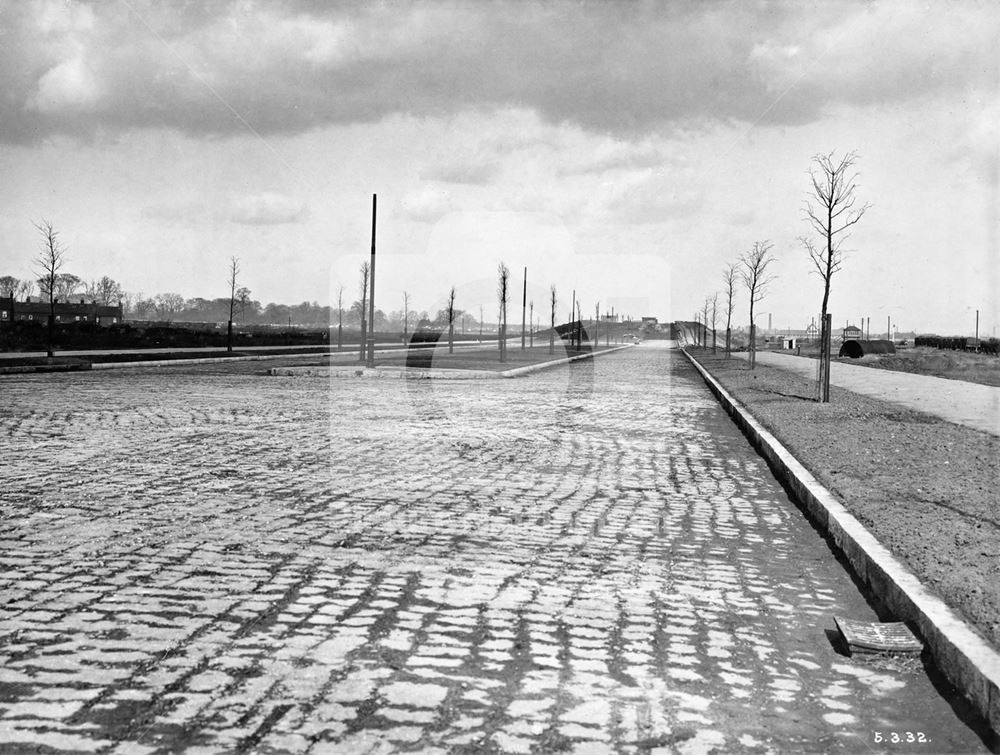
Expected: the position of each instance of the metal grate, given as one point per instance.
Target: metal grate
(878, 637)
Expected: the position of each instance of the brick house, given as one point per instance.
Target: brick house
(65, 312)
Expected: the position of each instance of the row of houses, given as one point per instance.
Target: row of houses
(12, 311)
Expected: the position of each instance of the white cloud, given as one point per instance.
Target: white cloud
(462, 171)
(426, 205)
(268, 208)
(69, 86)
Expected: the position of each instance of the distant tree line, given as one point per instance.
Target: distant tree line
(172, 307)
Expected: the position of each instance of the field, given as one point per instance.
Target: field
(924, 360)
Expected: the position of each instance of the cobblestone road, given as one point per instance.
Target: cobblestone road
(590, 559)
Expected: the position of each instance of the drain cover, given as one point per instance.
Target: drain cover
(878, 637)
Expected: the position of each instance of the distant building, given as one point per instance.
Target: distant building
(65, 312)
(851, 331)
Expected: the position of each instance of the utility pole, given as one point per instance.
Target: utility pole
(524, 304)
(572, 313)
(371, 295)
(531, 325)
(597, 325)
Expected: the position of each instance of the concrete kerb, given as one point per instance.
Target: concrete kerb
(214, 360)
(969, 661)
(409, 373)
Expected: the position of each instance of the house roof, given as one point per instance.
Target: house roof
(90, 309)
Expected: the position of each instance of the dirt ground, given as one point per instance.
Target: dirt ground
(926, 488)
(924, 360)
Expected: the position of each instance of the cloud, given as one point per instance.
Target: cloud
(426, 205)
(463, 171)
(613, 156)
(68, 86)
(624, 69)
(653, 201)
(267, 209)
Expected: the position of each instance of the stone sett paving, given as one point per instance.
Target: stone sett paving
(588, 560)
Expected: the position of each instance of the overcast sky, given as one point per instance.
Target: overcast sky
(627, 150)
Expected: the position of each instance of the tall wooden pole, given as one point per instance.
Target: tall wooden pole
(572, 314)
(524, 305)
(371, 294)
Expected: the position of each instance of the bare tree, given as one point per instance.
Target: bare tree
(503, 293)
(406, 312)
(167, 305)
(831, 209)
(552, 318)
(715, 320)
(704, 322)
(234, 271)
(243, 299)
(10, 286)
(130, 303)
(49, 262)
(729, 278)
(756, 278)
(64, 286)
(340, 318)
(105, 291)
(450, 311)
(15, 287)
(365, 277)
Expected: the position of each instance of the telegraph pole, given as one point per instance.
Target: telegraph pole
(572, 314)
(524, 304)
(371, 295)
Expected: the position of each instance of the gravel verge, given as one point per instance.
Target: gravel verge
(926, 488)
